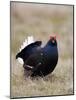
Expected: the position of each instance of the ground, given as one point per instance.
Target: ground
(41, 21)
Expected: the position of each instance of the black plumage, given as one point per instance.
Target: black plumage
(40, 60)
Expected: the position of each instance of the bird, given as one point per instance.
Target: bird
(41, 61)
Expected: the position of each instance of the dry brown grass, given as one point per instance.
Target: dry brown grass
(41, 21)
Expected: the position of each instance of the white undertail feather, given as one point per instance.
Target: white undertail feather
(20, 60)
(28, 40)
(23, 45)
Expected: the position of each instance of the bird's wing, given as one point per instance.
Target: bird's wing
(35, 60)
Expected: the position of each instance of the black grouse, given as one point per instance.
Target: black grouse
(40, 60)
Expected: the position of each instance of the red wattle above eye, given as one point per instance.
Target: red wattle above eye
(52, 37)
(55, 37)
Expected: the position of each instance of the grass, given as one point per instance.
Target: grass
(41, 22)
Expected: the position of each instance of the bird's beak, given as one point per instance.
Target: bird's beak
(53, 41)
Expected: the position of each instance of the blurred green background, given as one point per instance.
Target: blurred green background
(41, 21)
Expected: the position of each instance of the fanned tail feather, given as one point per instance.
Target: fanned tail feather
(28, 40)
